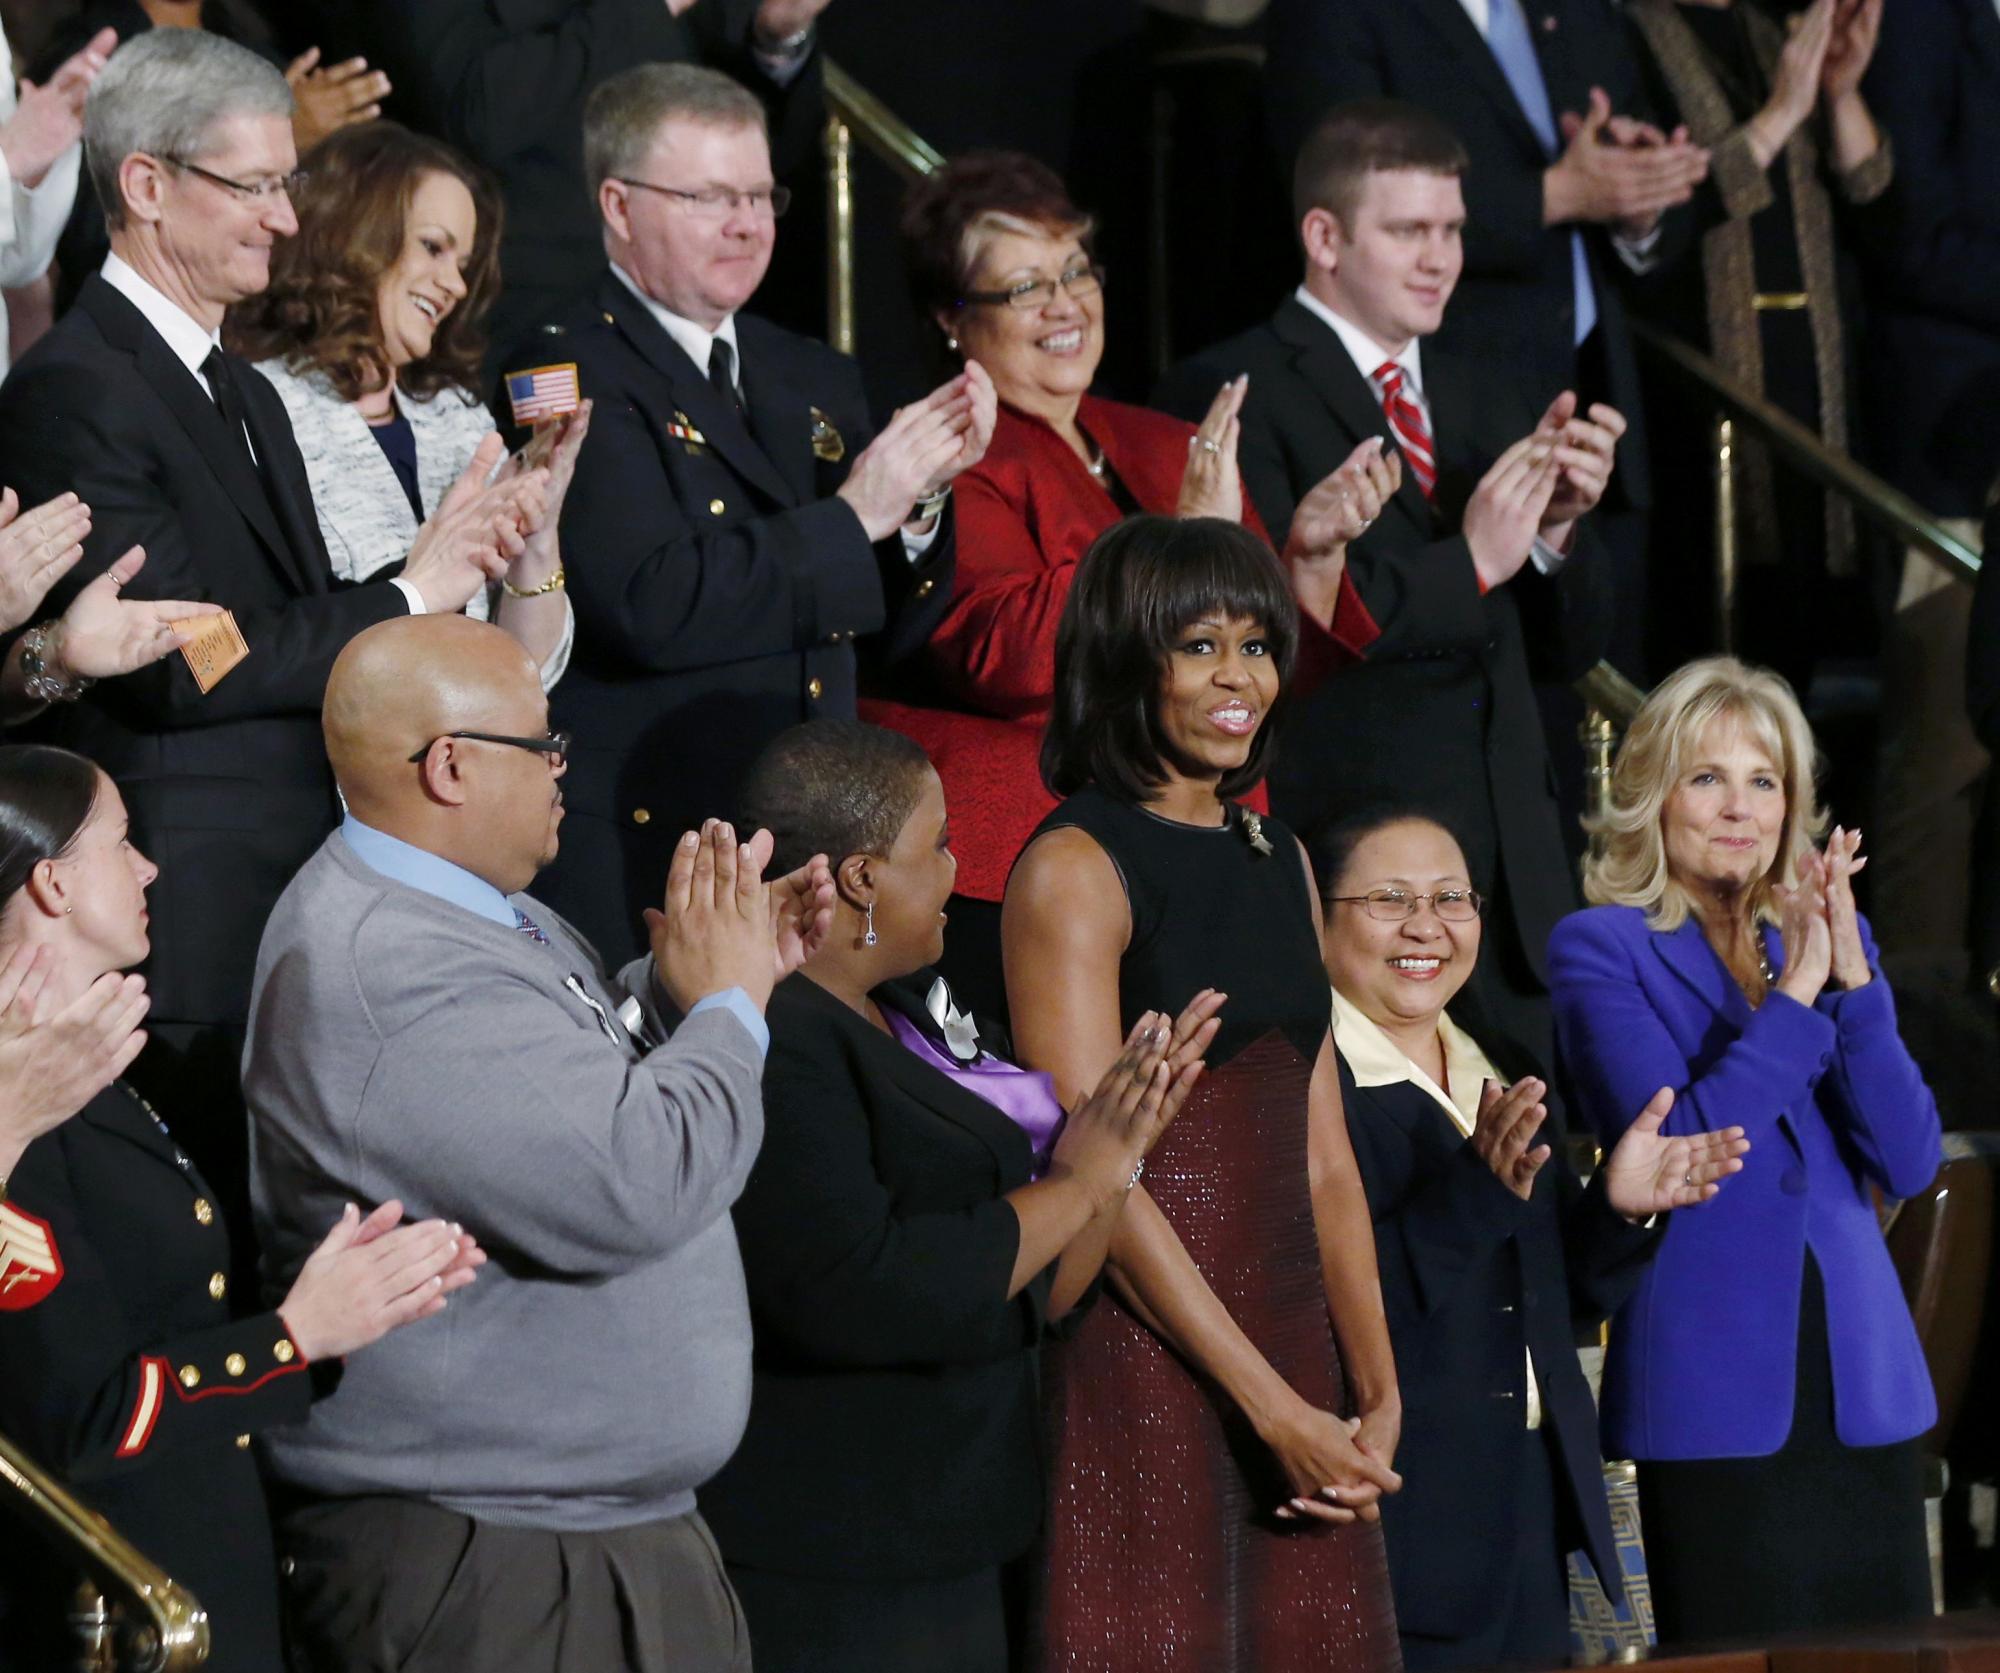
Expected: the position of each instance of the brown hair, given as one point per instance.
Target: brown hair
(1364, 137)
(948, 217)
(320, 311)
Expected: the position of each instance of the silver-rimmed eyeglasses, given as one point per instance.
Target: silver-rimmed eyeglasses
(1393, 906)
(251, 191)
(1075, 283)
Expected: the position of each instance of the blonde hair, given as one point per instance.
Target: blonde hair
(1628, 861)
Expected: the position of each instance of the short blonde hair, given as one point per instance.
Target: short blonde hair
(1628, 860)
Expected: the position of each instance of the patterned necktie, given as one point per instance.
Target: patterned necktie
(528, 927)
(722, 375)
(1407, 425)
(1508, 39)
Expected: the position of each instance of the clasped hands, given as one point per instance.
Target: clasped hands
(922, 448)
(1818, 924)
(1618, 171)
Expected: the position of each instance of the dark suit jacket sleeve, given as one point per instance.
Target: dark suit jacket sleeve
(836, 1272)
(917, 609)
(1945, 251)
(63, 426)
(1566, 617)
(1430, 1236)
(1603, 1252)
(649, 582)
(91, 1390)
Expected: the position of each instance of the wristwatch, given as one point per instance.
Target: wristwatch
(929, 505)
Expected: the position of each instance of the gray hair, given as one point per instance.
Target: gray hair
(162, 93)
(622, 115)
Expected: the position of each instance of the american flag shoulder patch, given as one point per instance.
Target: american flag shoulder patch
(30, 1264)
(544, 392)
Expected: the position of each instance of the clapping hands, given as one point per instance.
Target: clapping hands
(1211, 485)
(1336, 511)
(1818, 923)
(1648, 1173)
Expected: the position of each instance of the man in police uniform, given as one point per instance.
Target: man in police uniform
(734, 525)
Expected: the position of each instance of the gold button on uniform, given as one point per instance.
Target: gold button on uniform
(218, 1285)
(284, 1352)
(190, 1375)
(242, 1443)
(203, 1212)
(236, 1365)
(716, 508)
(924, 588)
(641, 816)
(814, 689)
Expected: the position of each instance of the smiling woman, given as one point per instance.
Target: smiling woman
(372, 331)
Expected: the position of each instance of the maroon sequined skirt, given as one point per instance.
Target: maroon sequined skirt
(1164, 1555)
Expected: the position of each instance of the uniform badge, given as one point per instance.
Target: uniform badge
(30, 1267)
(682, 429)
(827, 444)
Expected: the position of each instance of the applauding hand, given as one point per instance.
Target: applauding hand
(37, 549)
(717, 930)
(1648, 1173)
(369, 1277)
(1504, 1133)
(1336, 511)
(1211, 485)
(1843, 858)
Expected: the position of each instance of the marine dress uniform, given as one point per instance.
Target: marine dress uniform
(720, 587)
(126, 1369)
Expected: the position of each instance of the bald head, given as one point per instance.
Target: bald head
(407, 681)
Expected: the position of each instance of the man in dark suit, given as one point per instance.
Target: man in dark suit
(183, 450)
(507, 85)
(1478, 574)
(1556, 181)
(737, 523)
(1932, 379)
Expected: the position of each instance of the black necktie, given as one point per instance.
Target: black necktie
(228, 398)
(722, 374)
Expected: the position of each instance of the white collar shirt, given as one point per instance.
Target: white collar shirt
(181, 332)
(1481, 13)
(1367, 354)
(696, 342)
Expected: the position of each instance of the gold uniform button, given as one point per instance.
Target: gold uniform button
(924, 588)
(190, 1375)
(716, 508)
(284, 1352)
(218, 1285)
(236, 1365)
(203, 1212)
(814, 689)
(642, 816)
(242, 1443)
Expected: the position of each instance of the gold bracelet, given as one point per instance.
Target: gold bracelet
(554, 584)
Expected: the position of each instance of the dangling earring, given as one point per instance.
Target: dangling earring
(870, 938)
(951, 342)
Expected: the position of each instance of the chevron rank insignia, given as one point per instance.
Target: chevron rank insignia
(30, 1267)
(827, 444)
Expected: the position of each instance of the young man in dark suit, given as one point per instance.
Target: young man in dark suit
(184, 450)
(738, 522)
(1476, 571)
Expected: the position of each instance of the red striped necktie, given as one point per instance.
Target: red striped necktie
(1407, 425)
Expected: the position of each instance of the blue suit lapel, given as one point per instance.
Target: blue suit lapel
(1687, 954)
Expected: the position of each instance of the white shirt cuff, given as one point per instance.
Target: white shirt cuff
(1546, 558)
(916, 545)
(409, 592)
(1641, 255)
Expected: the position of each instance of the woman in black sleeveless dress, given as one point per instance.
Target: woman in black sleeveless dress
(1214, 1502)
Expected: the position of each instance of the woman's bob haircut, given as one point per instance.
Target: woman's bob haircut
(1628, 861)
(1138, 589)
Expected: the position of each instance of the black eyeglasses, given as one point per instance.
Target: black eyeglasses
(1077, 283)
(555, 746)
(1393, 906)
(253, 191)
(716, 203)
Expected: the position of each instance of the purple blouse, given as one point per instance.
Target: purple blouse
(1027, 1097)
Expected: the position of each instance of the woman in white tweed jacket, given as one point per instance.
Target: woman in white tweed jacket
(370, 331)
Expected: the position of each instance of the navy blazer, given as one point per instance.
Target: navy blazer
(1471, 1276)
(1703, 1357)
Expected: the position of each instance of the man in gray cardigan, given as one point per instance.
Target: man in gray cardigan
(512, 1487)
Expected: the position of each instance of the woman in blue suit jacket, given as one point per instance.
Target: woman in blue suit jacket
(1765, 1373)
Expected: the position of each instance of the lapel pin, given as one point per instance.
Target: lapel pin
(544, 392)
(826, 441)
(681, 428)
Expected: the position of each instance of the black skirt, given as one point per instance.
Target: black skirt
(1814, 1536)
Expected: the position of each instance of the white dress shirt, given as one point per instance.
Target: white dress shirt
(1368, 356)
(698, 342)
(191, 344)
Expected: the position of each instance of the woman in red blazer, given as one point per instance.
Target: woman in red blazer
(999, 259)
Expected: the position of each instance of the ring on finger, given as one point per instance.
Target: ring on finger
(1206, 445)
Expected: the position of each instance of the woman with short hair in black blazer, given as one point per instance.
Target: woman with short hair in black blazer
(1488, 1248)
(919, 1216)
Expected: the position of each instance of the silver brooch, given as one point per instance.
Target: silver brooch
(1253, 828)
(961, 1033)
